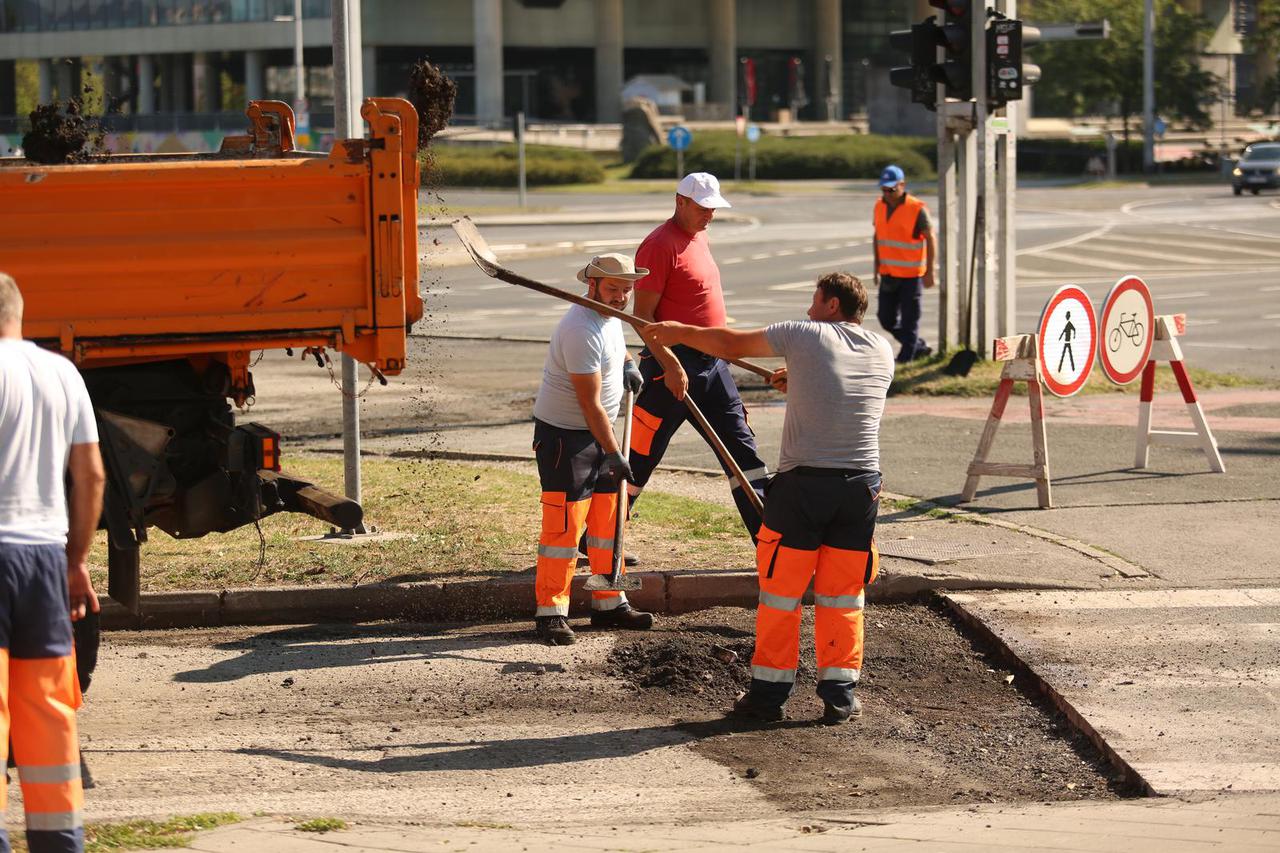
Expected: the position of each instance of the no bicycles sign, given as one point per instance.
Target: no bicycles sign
(1068, 329)
(1127, 321)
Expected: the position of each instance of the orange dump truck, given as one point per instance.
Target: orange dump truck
(161, 275)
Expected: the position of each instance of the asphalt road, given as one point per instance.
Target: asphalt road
(1202, 251)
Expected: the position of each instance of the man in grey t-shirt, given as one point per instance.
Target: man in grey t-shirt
(820, 509)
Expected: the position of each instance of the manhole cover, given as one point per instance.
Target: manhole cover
(924, 551)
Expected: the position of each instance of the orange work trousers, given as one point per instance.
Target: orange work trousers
(575, 494)
(819, 527)
(39, 695)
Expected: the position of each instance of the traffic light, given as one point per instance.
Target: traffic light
(1007, 74)
(956, 70)
(921, 41)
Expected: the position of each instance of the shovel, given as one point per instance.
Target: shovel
(617, 580)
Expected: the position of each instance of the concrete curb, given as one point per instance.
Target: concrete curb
(670, 593)
(975, 625)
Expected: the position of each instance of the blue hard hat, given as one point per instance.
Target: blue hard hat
(891, 176)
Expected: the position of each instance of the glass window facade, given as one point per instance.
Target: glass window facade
(46, 15)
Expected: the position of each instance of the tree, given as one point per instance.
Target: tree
(1264, 40)
(1083, 77)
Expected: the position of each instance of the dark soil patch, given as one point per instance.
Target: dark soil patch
(941, 724)
(61, 133)
(432, 94)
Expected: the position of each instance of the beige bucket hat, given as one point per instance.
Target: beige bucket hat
(611, 265)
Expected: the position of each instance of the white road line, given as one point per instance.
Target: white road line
(829, 246)
(782, 253)
(1155, 255)
(1272, 289)
(1076, 259)
(1271, 316)
(760, 256)
(727, 261)
(1206, 322)
(1062, 244)
(807, 284)
(837, 262)
(1145, 241)
(808, 249)
(1199, 294)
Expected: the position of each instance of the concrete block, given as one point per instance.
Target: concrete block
(485, 600)
(650, 597)
(300, 605)
(689, 591)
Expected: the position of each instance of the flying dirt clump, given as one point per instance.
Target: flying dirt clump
(432, 94)
(60, 133)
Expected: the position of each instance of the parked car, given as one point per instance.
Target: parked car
(1259, 168)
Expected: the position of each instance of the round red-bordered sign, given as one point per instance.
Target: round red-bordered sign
(1127, 327)
(1067, 331)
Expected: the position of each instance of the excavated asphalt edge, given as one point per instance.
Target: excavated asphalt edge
(1028, 673)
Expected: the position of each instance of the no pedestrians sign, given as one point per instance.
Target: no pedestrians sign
(1068, 330)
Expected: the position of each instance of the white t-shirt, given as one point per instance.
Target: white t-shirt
(44, 409)
(583, 342)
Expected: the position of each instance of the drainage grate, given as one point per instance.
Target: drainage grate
(932, 553)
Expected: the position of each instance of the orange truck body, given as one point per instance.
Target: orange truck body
(160, 276)
(137, 258)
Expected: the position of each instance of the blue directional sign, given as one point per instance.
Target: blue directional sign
(679, 137)
(753, 133)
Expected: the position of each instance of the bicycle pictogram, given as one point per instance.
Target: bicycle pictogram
(1131, 329)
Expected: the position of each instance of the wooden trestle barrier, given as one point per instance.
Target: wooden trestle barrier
(1165, 348)
(1018, 352)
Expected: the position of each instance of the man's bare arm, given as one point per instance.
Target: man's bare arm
(85, 508)
(720, 341)
(587, 388)
(646, 305)
(930, 254)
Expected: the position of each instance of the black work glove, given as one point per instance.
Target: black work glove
(616, 467)
(631, 378)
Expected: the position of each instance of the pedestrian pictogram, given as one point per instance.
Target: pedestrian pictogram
(1126, 326)
(1066, 338)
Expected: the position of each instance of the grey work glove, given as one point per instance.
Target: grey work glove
(631, 378)
(616, 467)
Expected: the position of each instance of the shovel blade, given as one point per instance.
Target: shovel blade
(600, 583)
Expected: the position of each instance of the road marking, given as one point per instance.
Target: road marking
(1191, 322)
(1156, 255)
(1194, 295)
(1272, 289)
(1271, 316)
(1076, 259)
(807, 284)
(1062, 244)
(1207, 345)
(727, 261)
(829, 246)
(838, 262)
(808, 249)
(761, 256)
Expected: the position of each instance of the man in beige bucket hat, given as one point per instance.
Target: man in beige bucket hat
(579, 461)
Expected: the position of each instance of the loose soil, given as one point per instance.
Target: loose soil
(432, 94)
(942, 722)
(61, 133)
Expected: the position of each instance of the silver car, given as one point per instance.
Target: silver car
(1258, 168)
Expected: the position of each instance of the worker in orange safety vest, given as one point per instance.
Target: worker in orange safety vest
(820, 508)
(47, 430)
(904, 253)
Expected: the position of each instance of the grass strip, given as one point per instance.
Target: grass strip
(142, 834)
(453, 519)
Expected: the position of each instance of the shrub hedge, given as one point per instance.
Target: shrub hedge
(497, 166)
(780, 158)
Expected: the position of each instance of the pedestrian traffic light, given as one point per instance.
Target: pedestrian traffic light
(922, 42)
(1007, 74)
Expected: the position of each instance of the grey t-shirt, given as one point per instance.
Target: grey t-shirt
(838, 375)
(583, 342)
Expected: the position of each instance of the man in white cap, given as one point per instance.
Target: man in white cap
(904, 253)
(579, 462)
(683, 285)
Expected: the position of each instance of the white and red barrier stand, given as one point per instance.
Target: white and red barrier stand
(1165, 348)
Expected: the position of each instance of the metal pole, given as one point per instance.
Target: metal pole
(751, 161)
(299, 69)
(1006, 229)
(985, 306)
(520, 155)
(948, 239)
(680, 164)
(1148, 85)
(347, 75)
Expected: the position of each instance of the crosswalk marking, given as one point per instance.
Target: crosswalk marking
(837, 262)
(1153, 241)
(1155, 255)
(1076, 259)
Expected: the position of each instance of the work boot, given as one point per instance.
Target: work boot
(834, 715)
(748, 708)
(555, 630)
(922, 351)
(628, 560)
(623, 616)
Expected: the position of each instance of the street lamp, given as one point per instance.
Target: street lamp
(301, 115)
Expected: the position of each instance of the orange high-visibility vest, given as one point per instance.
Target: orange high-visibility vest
(901, 253)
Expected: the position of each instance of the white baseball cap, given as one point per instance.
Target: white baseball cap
(703, 188)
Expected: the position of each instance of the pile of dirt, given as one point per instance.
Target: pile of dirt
(432, 94)
(61, 133)
(944, 722)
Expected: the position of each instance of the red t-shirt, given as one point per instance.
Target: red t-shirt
(682, 270)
